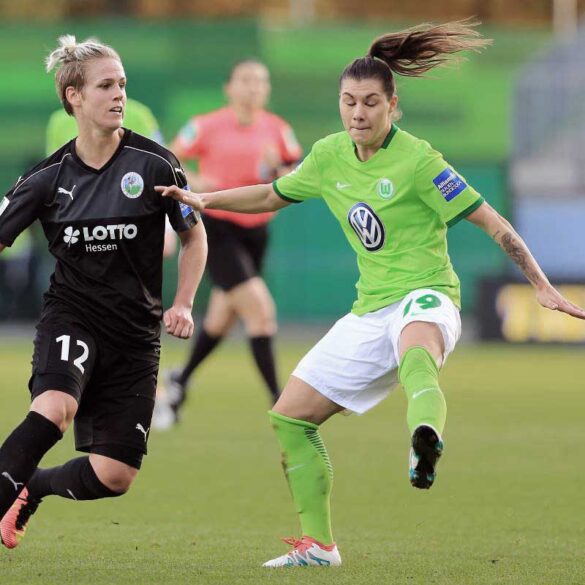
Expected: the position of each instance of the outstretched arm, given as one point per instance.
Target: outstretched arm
(253, 199)
(502, 232)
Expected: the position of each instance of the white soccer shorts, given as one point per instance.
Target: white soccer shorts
(356, 363)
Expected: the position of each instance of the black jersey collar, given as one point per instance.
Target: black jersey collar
(122, 144)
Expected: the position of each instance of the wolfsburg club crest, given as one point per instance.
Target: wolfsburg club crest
(132, 185)
(385, 188)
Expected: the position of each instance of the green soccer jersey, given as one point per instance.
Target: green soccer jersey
(137, 117)
(394, 209)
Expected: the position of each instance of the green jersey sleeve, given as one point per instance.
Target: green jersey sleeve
(444, 190)
(302, 183)
(140, 118)
(61, 128)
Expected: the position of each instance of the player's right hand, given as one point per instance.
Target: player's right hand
(194, 200)
(552, 299)
(179, 322)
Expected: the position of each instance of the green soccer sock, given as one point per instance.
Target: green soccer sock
(308, 472)
(419, 376)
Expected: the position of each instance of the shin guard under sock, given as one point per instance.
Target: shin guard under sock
(419, 375)
(75, 480)
(308, 472)
(21, 453)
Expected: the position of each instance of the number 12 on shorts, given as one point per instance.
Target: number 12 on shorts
(65, 340)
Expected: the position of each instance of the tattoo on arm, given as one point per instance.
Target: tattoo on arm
(518, 253)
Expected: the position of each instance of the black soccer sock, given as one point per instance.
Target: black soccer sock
(21, 453)
(203, 346)
(75, 480)
(264, 356)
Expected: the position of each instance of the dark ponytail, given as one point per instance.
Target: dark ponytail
(414, 51)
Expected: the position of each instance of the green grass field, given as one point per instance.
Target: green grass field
(211, 501)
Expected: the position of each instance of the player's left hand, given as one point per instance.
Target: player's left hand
(179, 322)
(550, 298)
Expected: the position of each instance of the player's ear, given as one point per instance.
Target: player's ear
(73, 96)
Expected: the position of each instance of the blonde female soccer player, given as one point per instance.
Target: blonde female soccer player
(395, 198)
(96, 351)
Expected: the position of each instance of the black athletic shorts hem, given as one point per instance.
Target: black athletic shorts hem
(129, 455)
(236, 253)
(40, 383)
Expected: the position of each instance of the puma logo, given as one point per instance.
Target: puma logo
(65, 192)
(14, 483)
(140, 428)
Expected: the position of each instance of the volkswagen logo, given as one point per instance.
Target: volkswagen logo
(367, 225)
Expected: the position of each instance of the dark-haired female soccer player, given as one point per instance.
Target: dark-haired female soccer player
(96, 351)
(395, 198)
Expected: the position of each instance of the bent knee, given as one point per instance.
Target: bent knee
(115, 475)
(57, 406)
(301, 401)
(121, 484)
(261, 323)
(426, 335)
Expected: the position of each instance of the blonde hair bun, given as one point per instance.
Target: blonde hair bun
(69, 58)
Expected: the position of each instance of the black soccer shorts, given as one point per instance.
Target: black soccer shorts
(115, 387)
(236, 253)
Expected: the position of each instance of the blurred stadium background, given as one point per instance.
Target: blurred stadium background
(512, 120)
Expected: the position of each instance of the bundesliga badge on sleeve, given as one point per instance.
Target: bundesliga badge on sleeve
(449, 183)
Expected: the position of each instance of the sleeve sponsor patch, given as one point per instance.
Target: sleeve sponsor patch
(185, 209)
(449, 183)
(4, 205)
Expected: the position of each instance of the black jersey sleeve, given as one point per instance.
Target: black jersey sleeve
(181, 216)
(22, 204)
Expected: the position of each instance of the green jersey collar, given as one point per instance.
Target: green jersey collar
(389, 136)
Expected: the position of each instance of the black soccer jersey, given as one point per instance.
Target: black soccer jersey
(106, 229)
